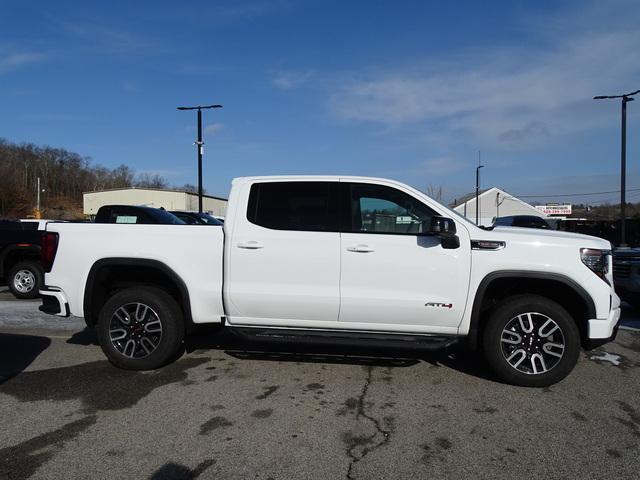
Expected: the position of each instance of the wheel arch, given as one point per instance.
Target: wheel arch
(578, 302)
(16, 253)
(109, 275)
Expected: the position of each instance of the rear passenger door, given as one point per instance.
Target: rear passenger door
(284, 255)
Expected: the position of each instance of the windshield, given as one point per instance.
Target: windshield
(208, 219)
(164, 217)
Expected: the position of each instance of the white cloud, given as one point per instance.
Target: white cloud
(213, 129)
(287, 80)
(11, 61)
(509, 97)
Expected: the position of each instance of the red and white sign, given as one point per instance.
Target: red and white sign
(555, 209)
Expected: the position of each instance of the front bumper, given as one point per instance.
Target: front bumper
(54, 302)
(603, 331)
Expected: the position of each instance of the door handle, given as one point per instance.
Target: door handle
(361, 248)
(250, 245)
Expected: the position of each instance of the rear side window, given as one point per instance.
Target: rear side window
(302, 206)
(30, 225)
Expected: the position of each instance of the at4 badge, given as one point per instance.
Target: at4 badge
(438, 304)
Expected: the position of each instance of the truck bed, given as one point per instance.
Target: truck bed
(193, 252)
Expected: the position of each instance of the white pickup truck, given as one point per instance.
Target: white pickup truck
(338, 259)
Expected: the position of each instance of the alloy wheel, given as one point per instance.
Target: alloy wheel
(532, 343)
(135, 330)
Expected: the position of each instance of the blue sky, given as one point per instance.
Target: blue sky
(407, 90)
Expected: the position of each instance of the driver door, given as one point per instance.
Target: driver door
(392, 272)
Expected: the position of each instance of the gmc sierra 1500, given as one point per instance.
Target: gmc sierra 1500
(341, 259)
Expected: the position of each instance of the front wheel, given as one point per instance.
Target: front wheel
(140, 328)
(531, 341)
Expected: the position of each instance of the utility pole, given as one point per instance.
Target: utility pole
(37, 215)
(626, 98)
(200, 146)
(478, 188)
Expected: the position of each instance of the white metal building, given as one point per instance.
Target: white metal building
(153, 197)
(493, 203)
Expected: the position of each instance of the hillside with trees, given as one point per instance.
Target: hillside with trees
(64, 176)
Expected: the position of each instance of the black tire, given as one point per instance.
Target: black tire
(25, 279)
(164, 311)
(497, 350)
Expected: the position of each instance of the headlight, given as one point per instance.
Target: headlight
(597, 261)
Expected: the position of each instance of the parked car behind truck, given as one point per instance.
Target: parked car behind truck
(135, 214)
(626, 274)
(20, 265)
(338, 259)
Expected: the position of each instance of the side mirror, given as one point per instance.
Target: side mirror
(442, 227)
(445, 229)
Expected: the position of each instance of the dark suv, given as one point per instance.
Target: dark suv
(135, 214)
(527, 221)
(195, 218)
(20, 266)
(626, 274)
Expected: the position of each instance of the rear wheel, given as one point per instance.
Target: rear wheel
(531, 341)
(25, 279)
(140, 328)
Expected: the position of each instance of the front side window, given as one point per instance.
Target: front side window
(302, 206)
(382, 209)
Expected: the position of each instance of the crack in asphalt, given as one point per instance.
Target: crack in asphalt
(367, 442)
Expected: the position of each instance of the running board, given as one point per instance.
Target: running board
(337, 337)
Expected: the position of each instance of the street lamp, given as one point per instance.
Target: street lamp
(478, 187)
(626, 97)
(200, 146)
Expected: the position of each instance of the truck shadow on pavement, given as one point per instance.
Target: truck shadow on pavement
(215, 338)
(456, 357)
(17, 352)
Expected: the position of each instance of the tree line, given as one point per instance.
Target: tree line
(64, 176)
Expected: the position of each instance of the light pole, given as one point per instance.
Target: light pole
(626, 98)
(478, 188)
(200, 146)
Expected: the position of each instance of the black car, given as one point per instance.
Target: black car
(527, 221)
(20, 266)
(626, 274)
(196, 218)
(135, 214)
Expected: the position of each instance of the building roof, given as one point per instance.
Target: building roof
(155, 189)
(492, 191)
(466, 198)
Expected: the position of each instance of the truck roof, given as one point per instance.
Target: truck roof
(316, 178)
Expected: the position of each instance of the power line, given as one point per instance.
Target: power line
(576, 194)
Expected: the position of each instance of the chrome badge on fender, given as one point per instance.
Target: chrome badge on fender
(438, 304)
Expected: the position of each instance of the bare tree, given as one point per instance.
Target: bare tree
(435, 192)
(64, 176)
(146, 180)
(189, 188)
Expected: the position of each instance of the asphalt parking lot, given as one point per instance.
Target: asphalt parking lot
(229, 409)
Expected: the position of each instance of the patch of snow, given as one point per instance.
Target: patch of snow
(607, 357)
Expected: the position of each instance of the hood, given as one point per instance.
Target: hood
(549, 236)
